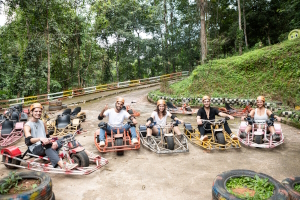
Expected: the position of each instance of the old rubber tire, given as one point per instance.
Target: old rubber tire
(219, 190)
(41, 192)
(119, 142)
(10, 161)
(81, 158)
(169, 142)
(53, 196)
(258, 139)
(220, 137)
(50, 132)
(54, 108)
(64, 106)
(289, 184)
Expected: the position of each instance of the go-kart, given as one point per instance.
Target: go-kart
(236, 112)
(116, 141)
(16, 114)
(218, 138)
(71, 152)
(185, 109)
(75, 114)
(166, 142)
(259, 136)
(131, 111)
(10, 132)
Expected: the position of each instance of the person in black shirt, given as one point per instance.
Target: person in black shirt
(209, 113)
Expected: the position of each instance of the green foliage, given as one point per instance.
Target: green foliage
(262, 187)
(10, 182)
(297, 187)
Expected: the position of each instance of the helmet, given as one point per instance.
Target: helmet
(261, 98)
(205, 98)
(120, 99)
(161, 102)
(36, 105)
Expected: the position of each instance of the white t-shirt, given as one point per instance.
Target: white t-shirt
(160, 122)
(116, 119)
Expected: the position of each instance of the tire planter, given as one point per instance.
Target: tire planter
(41, 192)
(289, 184)
(53, 108)
(219, 190)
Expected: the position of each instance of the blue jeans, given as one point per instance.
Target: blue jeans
(109, 128)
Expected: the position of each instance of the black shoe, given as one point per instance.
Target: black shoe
(182, 139)
(243, 135)
(276, 137)
(149, 141)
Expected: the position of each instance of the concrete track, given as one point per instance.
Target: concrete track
(145, 175)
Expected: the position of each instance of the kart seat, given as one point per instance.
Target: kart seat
(7, 127)
(67, 111)
(170, 105)
(76, 111)
(15, 116)
(189, 109)
(63, 121)
(2, 118)
(19, 107)
(24, 117)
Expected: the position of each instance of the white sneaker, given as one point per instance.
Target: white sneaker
(203, 138)
(102, 143)
(233, 136)
(134, 141)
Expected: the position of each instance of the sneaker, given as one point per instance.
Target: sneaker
(276, 137)
(134, 141)
(68, 166)
(243, 135)
(102, 144)
(233, 136)
(182, 139)
(203, 137)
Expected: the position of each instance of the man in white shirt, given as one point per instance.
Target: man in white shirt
(116, 117)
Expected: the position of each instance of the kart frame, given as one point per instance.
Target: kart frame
(14, 136)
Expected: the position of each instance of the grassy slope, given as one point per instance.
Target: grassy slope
(272, 71)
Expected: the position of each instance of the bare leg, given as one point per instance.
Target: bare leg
(153, 131)
(176, 130)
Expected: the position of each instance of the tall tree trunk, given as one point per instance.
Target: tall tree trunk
(166, 37)
(139, 60)
(269, 40)
(202, 5)
(117, 59)
(28, 30)
(79, 61)
(245, 25)
(240, 26)
(48, 54)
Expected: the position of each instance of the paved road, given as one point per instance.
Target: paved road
(145, 175)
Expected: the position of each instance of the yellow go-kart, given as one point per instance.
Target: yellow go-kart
(217, 137)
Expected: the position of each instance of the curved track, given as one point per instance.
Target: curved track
(145, 175)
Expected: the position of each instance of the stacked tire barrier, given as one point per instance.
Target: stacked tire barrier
(56, 105)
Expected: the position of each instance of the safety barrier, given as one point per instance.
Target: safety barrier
(45, 98)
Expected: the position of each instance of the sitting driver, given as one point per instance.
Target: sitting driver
(160, 117)
(261, 113)
(116, 117)
(35, 131)
(209, 113)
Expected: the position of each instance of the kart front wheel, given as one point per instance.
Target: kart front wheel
(81, 158)
(220, 138)
(6, 159)
(169, 142)
(119, 142)
(258, 139)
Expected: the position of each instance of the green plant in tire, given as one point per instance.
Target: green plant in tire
(11, 181)
(297, 187)
(262, 187)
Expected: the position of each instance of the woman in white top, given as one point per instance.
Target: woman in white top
(261, 113)
(160, 117)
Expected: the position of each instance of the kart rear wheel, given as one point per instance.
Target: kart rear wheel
(258, 139)
(119, 142)
(81, 158)
(220, 138)
(6, 159)
(169, 142)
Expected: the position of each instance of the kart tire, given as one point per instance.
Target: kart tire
(220, 137)
(41, 192)
(50, 132)
(53, 196)
(119, 142)
(10, 161)
(81, 158)
(289, 184)
(84, 118)
(54, 108)
(219, 190)
(169, 141)
(258, 139)
(64, 106)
